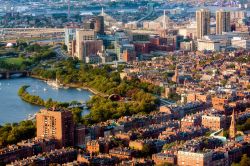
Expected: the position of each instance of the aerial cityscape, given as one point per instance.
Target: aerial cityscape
(125, 82)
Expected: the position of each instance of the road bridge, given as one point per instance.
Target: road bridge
(9, 74)
(41, 30)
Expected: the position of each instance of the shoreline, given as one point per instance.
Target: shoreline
(85, 87)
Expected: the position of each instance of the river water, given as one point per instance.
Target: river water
(13, 109)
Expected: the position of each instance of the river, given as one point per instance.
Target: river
(13, 109)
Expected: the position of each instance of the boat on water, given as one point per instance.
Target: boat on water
(54, 84)
(44, 89)
(79, 89)
(66, 87)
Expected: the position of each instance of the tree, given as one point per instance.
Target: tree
(77, 115)
(245, 161)
(64, 47)
(223, 82)
(226, 133)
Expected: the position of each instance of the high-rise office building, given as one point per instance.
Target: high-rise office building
(203, 22)
(89, 24)
(70, 35)
(99, 25)
(90, 48)
(222, 22)
(57, 124)
(96, 23)
(81, 36)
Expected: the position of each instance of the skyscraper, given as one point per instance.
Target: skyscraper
(70, 35)
(222, 21)
(57, 124)
(203, 22)
(99, 25)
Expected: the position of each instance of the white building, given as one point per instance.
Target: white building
(240, 42)
(213, 42)
(70, 35)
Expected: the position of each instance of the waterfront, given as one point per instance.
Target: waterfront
(13, 109)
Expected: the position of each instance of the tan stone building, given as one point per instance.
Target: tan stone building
(203, 22)
(222, 22)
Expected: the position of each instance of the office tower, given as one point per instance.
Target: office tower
(70, 35)
(90, 48)
(81, 36)
(238, 14)
(89, 24)
(99, 25)
(222, 22)
(203, 22)
(96, 23)
(57, 124)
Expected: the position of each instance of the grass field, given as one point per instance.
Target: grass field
(15, 61)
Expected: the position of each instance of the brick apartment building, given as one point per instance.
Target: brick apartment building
(57, 124)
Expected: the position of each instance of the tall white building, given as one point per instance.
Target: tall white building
(70, 35)
(81, 36)
(240, 42)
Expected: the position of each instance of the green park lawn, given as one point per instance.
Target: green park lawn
(18, 61)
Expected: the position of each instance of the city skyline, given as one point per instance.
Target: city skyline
(125, 82)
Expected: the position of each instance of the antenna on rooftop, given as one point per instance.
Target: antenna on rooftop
(164, 20)
(102, 12)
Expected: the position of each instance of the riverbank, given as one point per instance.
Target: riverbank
(31, 99)
(72, 85)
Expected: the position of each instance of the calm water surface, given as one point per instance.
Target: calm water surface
(13, 109)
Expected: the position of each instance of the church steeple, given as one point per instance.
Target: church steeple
(232, 129)
(175, 78)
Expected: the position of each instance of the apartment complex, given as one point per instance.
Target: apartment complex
(203, 22)
(222, 22)
(57, 124)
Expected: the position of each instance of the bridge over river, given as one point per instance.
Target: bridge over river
(9, 74)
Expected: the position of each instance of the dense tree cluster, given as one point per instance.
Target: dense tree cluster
(13, 133)
(138, 97)
(36, 54)
(36, 100)
(244, 126)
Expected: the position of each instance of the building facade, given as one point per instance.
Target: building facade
(203, 22)
(222, 22)
(81, 36)
(57, 124)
